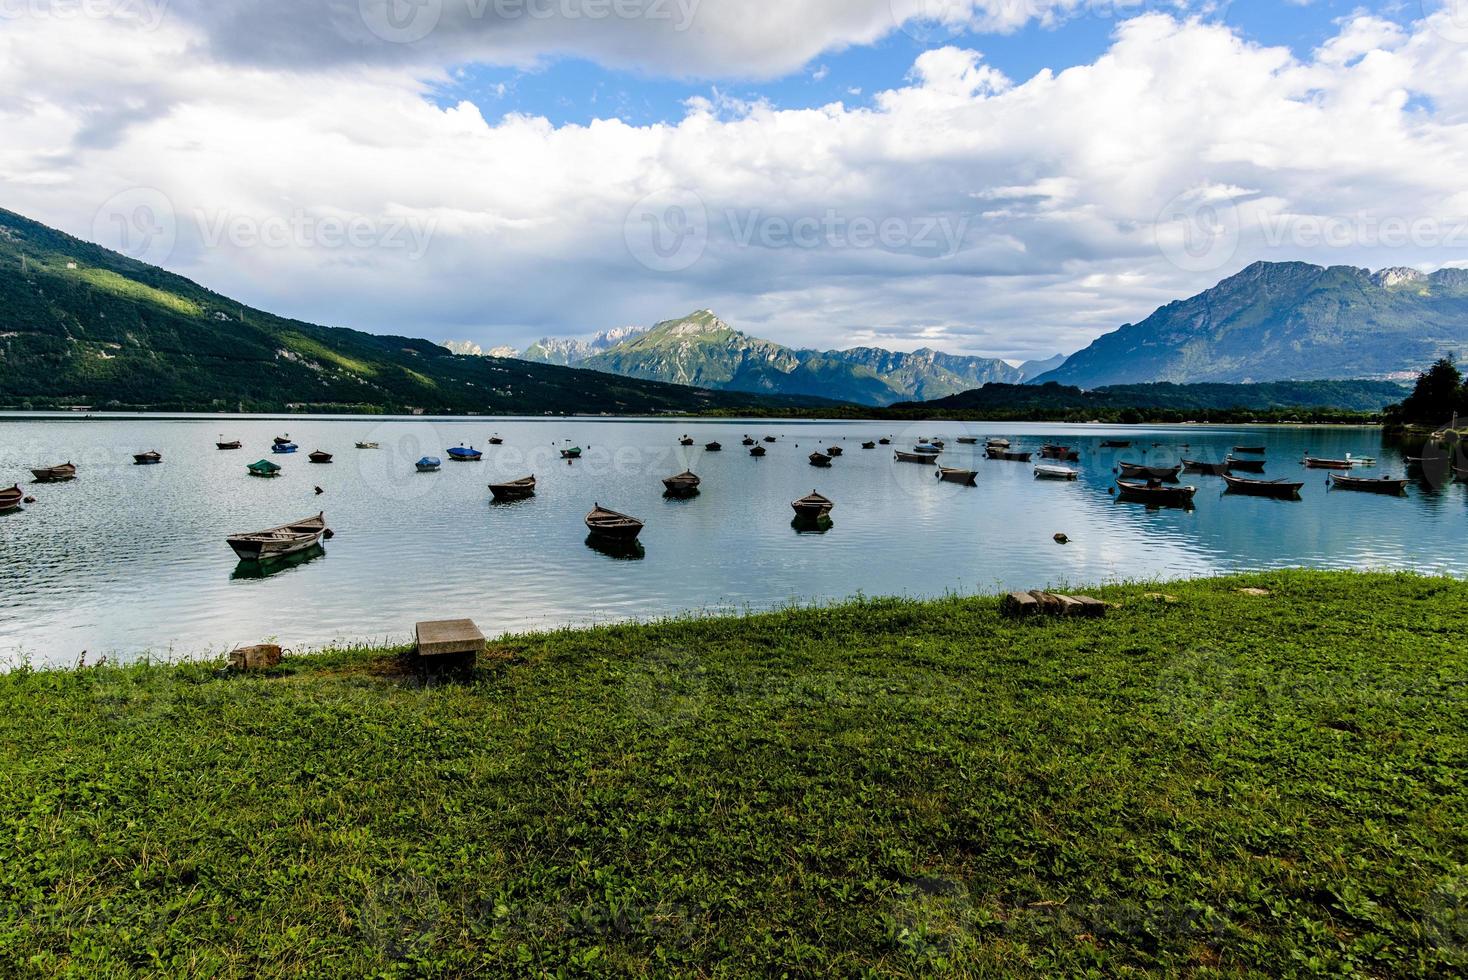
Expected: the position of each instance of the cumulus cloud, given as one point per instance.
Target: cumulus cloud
(961, 209)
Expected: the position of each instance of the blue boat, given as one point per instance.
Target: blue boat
(284, 447)
(429, 464)
(461, 455)
(927, 449)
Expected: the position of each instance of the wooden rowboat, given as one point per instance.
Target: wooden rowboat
(813, 506)
(1064, 453)
(834, 451)
(278, 542)
(998, 443)
(770, 439)
(748, 441)
(603, 523)
(757, 451)
(55, 474)
(1154, 492)
(231, 444)
(11, 499)
(1369, 484)
(1316, 463)
(1207, 469)
(1279, 489)
(685, 484)
(686, 441)
(496, 441)
(968, 440)
(282, 440)
(884, 442)
(925, 458)
(1137, 470)
(820, 459)
(713, 447)
(1244, 465)
(150, 458)
(949, 474)
(869, 445)
(319, 457)
(1008, 455)
(515, 489)
(1055, 473)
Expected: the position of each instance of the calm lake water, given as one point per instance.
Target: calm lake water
(131, 559)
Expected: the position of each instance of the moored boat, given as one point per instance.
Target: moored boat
(278, 542)
(1207, 469)
(713, 447)
(884, 442)
(1279, 489)
(1055, 473)
(928, 448)
(148, 459)
(925, 458)
(496, 441)
(1317, 463)
(770, 439)
(757, 451)
(428, 464)
(869, 445)
(1251, 450)
(834, 450)
(813, 506)
(514, 489)
(686, 441)
(1461, 473)
(284, 447)
(1369, 484)
(1063, 453)
(820, 459)
(573, 453)
(228, 444)
(1244, 465)
(604, 523)
(1116, 444)
(968, 440)
(1155, 492)
(1137, 470)
(319, 456)
(282, 440)
(748, 441)
(1008, 455)
(11, 499)
(55, 474)
(263, 467)
(367, 445)
(685, 484)
(463, 454)
(949, 474)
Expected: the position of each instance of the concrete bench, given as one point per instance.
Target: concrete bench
(449, 637)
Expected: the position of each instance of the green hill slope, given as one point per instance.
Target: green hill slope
(83, 325)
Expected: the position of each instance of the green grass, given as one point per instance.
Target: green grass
(1224, 784)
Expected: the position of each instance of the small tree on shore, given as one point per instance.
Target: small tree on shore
(1439, 395)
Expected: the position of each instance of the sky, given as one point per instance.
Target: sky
(1007, 178)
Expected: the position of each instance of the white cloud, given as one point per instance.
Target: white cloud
(1004, 216)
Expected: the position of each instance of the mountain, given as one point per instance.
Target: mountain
(1287, 320)
(549, 350)
(80, 325)
(1030, 370)
(471, 349)
(700, 349)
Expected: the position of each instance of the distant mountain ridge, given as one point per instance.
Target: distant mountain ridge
(82, 325)
(702, 350)
(1278, 321)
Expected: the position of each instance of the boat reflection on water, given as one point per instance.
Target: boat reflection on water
(616, 548)
(274, 566)
(811, 525)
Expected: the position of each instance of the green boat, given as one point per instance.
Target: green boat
(572, 453)
(263, 467)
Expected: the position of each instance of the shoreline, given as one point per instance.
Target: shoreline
(1207, 779)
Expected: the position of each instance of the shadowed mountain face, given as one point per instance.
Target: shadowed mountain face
(80, 325)
(703, 350)
(1286, 320)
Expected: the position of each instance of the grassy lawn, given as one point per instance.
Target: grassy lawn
(1210, 783)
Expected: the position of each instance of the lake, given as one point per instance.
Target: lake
(127, 559)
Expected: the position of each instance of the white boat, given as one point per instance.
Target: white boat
(1055, 473)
